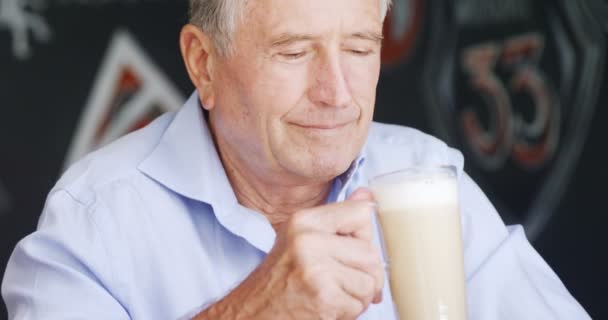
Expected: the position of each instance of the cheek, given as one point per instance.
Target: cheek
(362, 79)
(273, 95)
(283, 88)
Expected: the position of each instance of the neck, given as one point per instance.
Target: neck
(276, 199)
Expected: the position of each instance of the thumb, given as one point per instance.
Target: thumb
(361, 194)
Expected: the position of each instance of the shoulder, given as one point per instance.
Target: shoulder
(402, 136)
(116, 162)
(392, 147)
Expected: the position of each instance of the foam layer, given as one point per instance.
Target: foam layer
(406, 191)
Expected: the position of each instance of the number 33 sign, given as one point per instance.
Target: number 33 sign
(497, 72)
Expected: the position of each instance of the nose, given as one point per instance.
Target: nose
(329, 86)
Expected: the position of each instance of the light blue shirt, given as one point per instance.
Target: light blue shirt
(150, 228)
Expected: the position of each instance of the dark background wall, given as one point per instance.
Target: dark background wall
(519, 86)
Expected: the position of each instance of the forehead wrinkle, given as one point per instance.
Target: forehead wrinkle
(274, 31)
(287, 38)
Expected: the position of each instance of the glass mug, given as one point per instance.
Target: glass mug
(418, 209)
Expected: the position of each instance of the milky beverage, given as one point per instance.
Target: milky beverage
(419, 214)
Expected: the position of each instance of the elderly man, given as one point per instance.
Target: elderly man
(249, 202)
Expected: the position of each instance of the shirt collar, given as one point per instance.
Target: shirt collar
(186, 162)
(344, 184)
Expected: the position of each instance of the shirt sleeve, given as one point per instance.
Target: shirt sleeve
(506, 278)
(62, 270)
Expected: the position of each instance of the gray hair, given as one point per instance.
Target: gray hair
(218, 18)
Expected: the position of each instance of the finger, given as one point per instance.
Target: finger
(353, 252)
(377, 297)
(357, 284)
(351, 217)
(362, 256)
(362, 194)
(349, 308)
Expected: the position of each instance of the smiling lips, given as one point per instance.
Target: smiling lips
(326, 121)
(322, 126)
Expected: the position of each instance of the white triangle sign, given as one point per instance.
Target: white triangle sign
(128, 92)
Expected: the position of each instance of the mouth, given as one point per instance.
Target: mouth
(321, 126)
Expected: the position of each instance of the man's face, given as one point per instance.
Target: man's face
(296, 97)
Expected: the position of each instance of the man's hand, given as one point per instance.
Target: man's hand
(324, 265)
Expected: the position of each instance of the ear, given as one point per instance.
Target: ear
(198, 53)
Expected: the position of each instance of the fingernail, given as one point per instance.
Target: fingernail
(377, 298)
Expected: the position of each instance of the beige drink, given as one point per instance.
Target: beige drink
(419, 214)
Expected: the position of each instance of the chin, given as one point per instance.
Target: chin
(328, 166)
(319, 160)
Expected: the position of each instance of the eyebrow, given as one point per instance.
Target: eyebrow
(369, 35)
(289, 38)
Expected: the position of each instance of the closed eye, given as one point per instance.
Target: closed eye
(361, 52)
(292, 55)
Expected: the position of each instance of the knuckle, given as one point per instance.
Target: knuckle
(378, 274)
(377, 254)
(298, 219)
(313, 279)
(361, 212)
(371, 255)
(297, 242)
(301, 242)
(368, 287)
(323, 298)
(298, 249)
(367, 215)
(353, 310)
(377, 261)
(370, 249)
